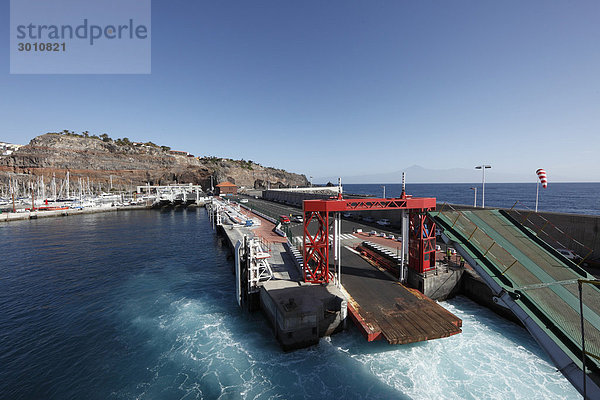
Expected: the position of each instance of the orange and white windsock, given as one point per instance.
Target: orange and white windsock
(542, 175)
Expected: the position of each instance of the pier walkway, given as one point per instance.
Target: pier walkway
(536, 283)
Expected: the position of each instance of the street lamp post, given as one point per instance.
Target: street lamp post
(475, 198)
(483, 167)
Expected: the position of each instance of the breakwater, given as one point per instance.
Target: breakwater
(7, 217)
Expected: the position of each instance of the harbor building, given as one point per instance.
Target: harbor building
(226, 189)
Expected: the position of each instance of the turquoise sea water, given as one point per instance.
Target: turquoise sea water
(140, 305)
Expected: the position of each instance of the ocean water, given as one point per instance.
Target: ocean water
(140, 305)
(578, 198)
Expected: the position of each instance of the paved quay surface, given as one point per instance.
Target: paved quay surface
(265, 229)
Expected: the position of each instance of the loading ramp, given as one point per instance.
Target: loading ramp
(534, 281)
(382, 308)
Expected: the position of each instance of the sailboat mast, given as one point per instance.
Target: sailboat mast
(54, 186)
(32, 196)
(13, 196)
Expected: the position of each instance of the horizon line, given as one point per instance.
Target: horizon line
(449, 183)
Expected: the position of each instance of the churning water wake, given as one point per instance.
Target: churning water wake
(140, 305)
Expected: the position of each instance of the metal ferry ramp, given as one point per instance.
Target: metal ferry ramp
(539, 285)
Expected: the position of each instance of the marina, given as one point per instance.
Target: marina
(30, 201)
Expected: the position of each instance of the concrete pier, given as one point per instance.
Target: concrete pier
(302, 313)
(441, 284)
(299, 313)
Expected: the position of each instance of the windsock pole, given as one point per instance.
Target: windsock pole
(537, 193)
(541, 173)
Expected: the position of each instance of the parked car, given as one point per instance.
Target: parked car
(384, 222)
(373, 233)
(243, 200)
(391, 237)
(452, 251)
(438, 247)
(284, 219)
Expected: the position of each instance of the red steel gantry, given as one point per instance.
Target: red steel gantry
(421, 254)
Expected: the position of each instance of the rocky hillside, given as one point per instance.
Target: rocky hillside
(132, 163)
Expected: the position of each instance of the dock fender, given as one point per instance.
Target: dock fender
(500, 299)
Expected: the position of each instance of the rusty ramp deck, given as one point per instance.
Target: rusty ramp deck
(384, 309)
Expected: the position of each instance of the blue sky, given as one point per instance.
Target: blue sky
(345, 87)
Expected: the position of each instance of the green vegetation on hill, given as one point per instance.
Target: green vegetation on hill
(245, 164)
(242, 163)
(107, 139)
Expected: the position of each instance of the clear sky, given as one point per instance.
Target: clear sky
(331, 88)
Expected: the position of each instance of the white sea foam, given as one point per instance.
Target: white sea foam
(492, 358)
(211, 349)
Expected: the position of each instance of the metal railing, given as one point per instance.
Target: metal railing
(584, 352)
(549, 231)
(486, 244)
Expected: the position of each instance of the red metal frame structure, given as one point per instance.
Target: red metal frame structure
(421, 243)
(316, 247)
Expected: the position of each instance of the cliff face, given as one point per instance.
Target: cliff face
(130, 164)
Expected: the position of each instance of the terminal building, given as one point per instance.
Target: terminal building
(226, 189)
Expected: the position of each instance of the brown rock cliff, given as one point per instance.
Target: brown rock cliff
(133, 164)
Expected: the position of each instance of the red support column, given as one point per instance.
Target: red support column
(316, 247)
(421, 245)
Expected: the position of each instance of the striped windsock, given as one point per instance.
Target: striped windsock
(542, 175)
